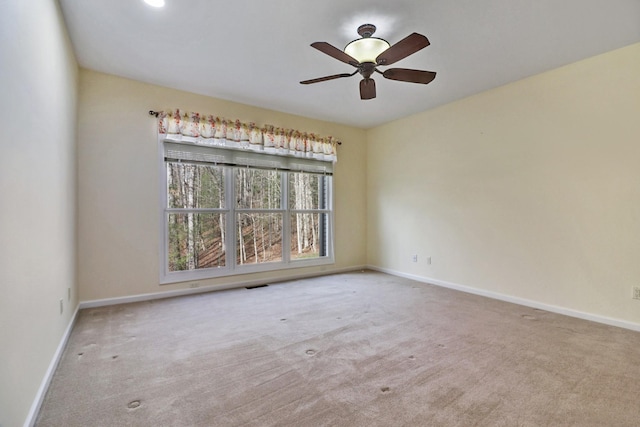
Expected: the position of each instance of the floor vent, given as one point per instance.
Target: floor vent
(255, 287)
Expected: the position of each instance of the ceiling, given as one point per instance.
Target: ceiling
(257, 52)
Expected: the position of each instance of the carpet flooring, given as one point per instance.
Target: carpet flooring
(355, 349)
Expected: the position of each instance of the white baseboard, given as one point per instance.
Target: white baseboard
(191, 291)
(44, 386)
(515, 300)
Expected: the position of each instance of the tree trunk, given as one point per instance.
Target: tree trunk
(298, 184)
(255, 239)
(264, 251)
(241, 241)
(189, 199)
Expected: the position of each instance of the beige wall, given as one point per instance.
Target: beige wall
(531, 190)
(37, 195)
(118, 191)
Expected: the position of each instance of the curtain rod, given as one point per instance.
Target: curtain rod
(157, 113)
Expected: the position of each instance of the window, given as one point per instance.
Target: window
(308, 204)
(222, 218)
(259, 216)
(196, 216)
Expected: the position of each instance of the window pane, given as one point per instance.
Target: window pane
(259, 238)
(307, 191)
(309, 235)
(257, 189)
(193, 186)
(196, 240)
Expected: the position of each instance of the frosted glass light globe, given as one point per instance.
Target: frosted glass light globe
(366, 49)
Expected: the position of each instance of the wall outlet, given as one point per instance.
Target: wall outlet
(61, 305)
(429, 260)
(68, 294)
(195, 285)
(636, 292)
(414, 258)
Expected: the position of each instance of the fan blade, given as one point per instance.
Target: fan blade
(367, 89)
(405, 47)
(324, 79)
(407, 75)
(334, 52)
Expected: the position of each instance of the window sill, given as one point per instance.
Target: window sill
(212, 273)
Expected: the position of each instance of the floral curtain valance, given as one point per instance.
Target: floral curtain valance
(208, 130)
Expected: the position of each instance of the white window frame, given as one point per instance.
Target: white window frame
(232, 268)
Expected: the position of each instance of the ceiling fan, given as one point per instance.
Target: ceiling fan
(368, 53)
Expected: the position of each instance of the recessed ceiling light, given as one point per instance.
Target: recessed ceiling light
(155, 3)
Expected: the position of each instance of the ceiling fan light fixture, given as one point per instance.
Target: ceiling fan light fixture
(366, 49)
(367, 53)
